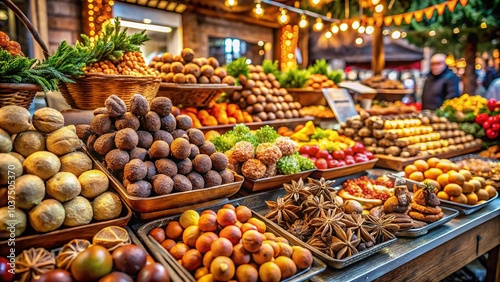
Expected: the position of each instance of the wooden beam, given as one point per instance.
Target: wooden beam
(234, 17)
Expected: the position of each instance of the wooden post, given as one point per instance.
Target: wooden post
(470, 75)
(378, 53)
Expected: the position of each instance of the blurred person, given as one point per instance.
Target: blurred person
(493, 90)
(490, 73)
(441, 84)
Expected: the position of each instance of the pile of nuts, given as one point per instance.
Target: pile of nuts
(13, 47)
(132, 63)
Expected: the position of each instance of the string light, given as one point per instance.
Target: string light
(483, 25)
(318, 25)
(315, 2)
(379, 8)
(355, 25)
(344, 26)
(444, 41)
(283, 18)
(303, 23)
(404, 34)
(396, 34)
(375, 2)
(385, 32)
(231, 3)
(328, 34)
(369, 29)
(361, 29)
(456, 30)
(359, 41)
(335, 28)
(432, 33)
(258, 11)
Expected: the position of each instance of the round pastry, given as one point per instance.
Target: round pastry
(42, 164)
(77, 212)
(425, 209)
(28, 142)
(426, 217)
(30, 191)
(94, 183)
(63, 141)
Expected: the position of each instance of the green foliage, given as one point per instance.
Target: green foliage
(271, 67)
(294, 163)
(238, 67)
(226, 141)
(319, 67)
(335, 76)
(294, 78)
(266, 134)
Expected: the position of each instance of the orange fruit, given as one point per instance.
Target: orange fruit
(269, 272)
(261, 226)
(252, 240)
(204, 242)
(444, 166)
(209, 212)
(433, 173)
(417, 176)
(200, 272)
(178, 250)
(247, 226)
(302, 257)
(226, 217)
(467, 175)
(491, 191)
(240, 255)
(409, 169)
(284, 249)
(482, 194)
(287, 266)
(433, 183)
(281, 239)
(232, 233)
(453, 189)
(480, 179)
(190, 235)
(273, 244)
(472, 198)
(270, 236)
(421, 165)
(442, 195)
(461, 199)
(247, 273)
(168, 244)
(443, 179)
(264, 254)
(222, 268)
(228, 206)
(468, 187)
(243, 214)
(477, 184)
(432, 162)
(191, 260)
(207, 222)
(174, 230)
(455, 167)
(221, 247)
(455, 177)
(207, 259)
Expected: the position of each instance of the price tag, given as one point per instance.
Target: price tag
(341, 103)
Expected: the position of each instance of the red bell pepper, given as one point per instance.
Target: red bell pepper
(481, 118)
(492, 134)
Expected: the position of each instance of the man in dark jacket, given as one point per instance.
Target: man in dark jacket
(490, 74)
(441, 84)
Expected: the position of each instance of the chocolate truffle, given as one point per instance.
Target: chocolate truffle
(219, 161)
(180, 148)
(212, 178)
(180, 133)
(168, 123)
(207, 148)
(145, 139)
(197, 180)
(159, 149)
(139, 189)
(182, 183)
(101, 124)
(138, 153)
(151, 122)
(163, 135)
(128, 120)
(184, 122)
(194, 151)
(139, 106)
(105, 143)
(202, 163)
(184, 167)
(151, 170)
(227, 176)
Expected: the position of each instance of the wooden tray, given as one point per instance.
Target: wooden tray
(60, 237)
(307, 97)
(291, 123)
(158, 251)
(196, 95)
(170, 201)
(274, 182)
(332, 173)
(398, 164)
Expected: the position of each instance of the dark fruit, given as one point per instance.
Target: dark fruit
(129, 259)
(59, 275)
(6, 274)
(153, 273)
(116, 277)
(92, 264)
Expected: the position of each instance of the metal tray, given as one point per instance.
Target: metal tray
(274, 182)
(336, 263)
(332, 173)
(158, 251)
(449, 214)
(462, 208)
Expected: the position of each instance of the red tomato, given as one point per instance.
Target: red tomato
(313, 150)
(349, 161)
(359, 158)
(321, 164)
(304, 150)
(349, 151)
(369, 155)
(329, 157)
(322, 154)
(313, 159)
(333, 163)
(339, 154)
(341, 163)
(358, 147)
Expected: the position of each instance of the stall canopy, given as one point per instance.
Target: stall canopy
(398, 52)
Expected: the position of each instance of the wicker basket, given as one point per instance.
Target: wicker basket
(193, 95)
(90, 91)
(21, 94)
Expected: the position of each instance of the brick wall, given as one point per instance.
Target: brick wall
(64, 21)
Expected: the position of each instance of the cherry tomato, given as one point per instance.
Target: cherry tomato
(349, 151)
(322, 154)
(304, 150)
(358, 147)
(321, 163)
(333, 163)
(338, 154)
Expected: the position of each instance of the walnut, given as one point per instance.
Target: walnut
(115, 106)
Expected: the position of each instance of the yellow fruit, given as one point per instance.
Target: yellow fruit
(471, 198)
(453, 189)
(433, 183)
(480, 179)
(432, 162)
(477, 184)
(443, 196)
(433, 173)
(491, 191)
(455, 177)
(467, 175)
(444, 166)
(461, 199)
(189, 218)
(409, 169)
(482, 194)
(468, 187)
(417, 176)
(421, 165)
(443, 180)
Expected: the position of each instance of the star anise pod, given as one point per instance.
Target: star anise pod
(320, 244)
(322, 187)
(344, 243)
(301, 229)
(316, 207)
(324, 224)
(356, 222)
(30, 264)
(381, 228)
(296, 191)
(282, 212)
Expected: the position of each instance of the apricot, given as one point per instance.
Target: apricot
(221, 247)
(281, 239)
(238, 224)
(158, 234)
(443, 180)
(261, 226)
(208, 212)
(207, 222)
(433, 173)
(168, 244)
(477, 184)
(302, 257)
(273, 244)
(226, 217)
(200, 272)
(466, 174)
(240, 255)
(287, 266)
(174, 230)
(444, 166)
(247, 226)
(472, 198)
(432, 162)
(251, 240)
(243, 213)
(443, 195)
(228, 206)
(453, 189)
(482, 194)
(481, 180)
(178, 250)
(491, 191)
(409, 169)
(269, 272)
(468, 187)
(416, 176)
(455, 167)
(285, 249)
(206, 278)
(222, 268)
(191, 260)
(421, 165)
(204, 242)
(264, 254)
(207, 259)
(232, 233)
(247, 273)
(461, 199)
(190, 235)
(455, 177)
(270, 236)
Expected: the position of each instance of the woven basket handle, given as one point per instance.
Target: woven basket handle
(28, 25)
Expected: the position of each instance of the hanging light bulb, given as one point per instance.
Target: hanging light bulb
(303, 21)
(283, 18)
(396, 34)
(344, 26)
(231, 3)
(335, 28)
(361, 29)
(385, 32)
(375, 2)
(369, 29)
(258, 11)
(404, 34)
(318, 25)
(359, 41)
(328, 34)
(379, 8)
(355, 25)
(315, 2)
